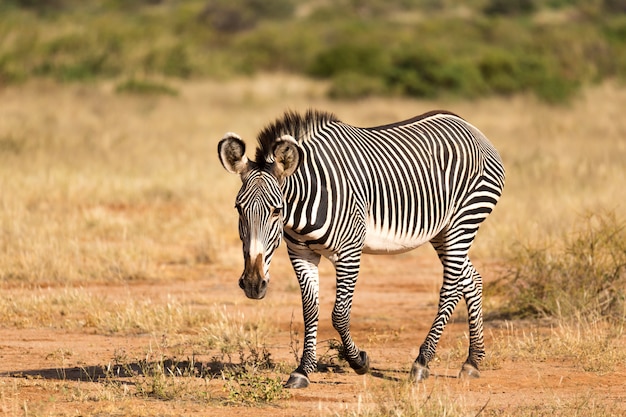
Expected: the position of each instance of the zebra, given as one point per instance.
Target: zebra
(339, 191)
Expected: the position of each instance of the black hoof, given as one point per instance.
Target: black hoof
(469, 371)
(363, 366)
(419, 372)
(297, 380)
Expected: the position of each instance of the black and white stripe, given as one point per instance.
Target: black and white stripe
(385, 189)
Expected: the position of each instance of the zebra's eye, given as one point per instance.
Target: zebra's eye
(276, 211)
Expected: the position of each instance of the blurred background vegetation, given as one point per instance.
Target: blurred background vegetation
(417, 48)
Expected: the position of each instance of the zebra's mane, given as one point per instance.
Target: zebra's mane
(291, 123)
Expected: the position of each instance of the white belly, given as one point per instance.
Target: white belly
(378, 241)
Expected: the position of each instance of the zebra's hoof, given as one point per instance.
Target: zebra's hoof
(419, 372)
(297, 380)
(469, 371)
(364, 366)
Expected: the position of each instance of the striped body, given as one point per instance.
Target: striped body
(403, 183)
(386, 189)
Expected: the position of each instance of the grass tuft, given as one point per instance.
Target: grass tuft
(231, 333)
(591, 346)
(408, 399)
(585, 276)
(249, 383)
(157, 375)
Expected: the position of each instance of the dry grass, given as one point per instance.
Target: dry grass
(235, 368)
(590, 346)
(76, 308)
(100, 188)
(408, 400)
(404, 400)
(582, 274)
(210, 325)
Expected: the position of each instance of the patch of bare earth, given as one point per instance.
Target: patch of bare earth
(55, 371)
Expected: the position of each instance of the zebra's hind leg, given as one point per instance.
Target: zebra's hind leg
(473, 293)
(460, 279)
(469, 285)
(449, 296)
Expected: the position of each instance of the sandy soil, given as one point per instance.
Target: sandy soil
(43, 370)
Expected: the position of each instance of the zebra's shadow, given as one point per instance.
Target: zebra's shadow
(124, 372)
(127, 370)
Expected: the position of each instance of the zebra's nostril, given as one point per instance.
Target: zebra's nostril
(263, 285)
(241, 283)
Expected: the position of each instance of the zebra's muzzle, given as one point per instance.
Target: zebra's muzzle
(253, 281)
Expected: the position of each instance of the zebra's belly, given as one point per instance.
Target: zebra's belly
(379, 241)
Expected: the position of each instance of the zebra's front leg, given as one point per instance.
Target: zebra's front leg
(347, 271)
(305, 264)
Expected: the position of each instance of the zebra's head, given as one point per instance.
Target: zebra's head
(260, 204)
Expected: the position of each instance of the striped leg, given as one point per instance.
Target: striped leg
(468, 285)
(477, 207)
(305, 264)
(459, 280)
(473, 293)
(449, 296)
(347, 270)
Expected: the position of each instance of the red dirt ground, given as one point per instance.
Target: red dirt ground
(394, 305)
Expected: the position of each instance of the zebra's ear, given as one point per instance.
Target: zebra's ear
(231, 151)
(288, 156)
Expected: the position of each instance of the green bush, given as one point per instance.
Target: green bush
(359, 58)
(417, 73)
(177, 62)
(362, 48)
(510, 7)
(77, 56)
(238, 15)
(501, 71)
(614, 6)
(9, 72)
(129, 5)
(269, 49)
(505, 73)
(354, 85)
(40, 6)
(425, 73)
